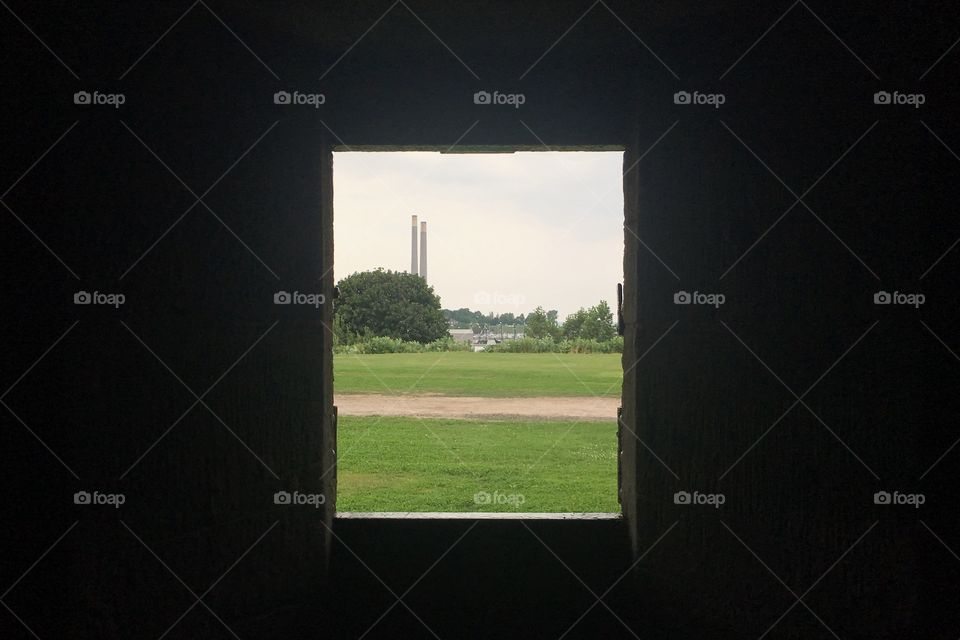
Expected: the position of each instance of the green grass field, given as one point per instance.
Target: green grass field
(410, 464)
(480, 374)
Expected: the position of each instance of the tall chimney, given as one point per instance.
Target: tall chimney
(423, 250)
(413, 245)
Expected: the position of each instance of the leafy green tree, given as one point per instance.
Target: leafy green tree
(540, 325)
(595, 323)
(392, 304)
(598, 323)
(574, 323)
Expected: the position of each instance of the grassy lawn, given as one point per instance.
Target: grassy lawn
(480, 374)
(409, 464)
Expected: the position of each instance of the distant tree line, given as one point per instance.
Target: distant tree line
(400, 309)
(464, 318)
(595, 323)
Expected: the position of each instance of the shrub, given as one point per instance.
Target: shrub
(383, 344)
(524, 345)
(549, 345)
(447, 344)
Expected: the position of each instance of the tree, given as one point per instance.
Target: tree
(574, 324)
(392, 304)
(462, 317)
(540, 325)
(598, 324)
(595, 323)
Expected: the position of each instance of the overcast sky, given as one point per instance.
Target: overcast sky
(505, 232)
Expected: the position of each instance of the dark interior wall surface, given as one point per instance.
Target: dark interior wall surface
(798, 198)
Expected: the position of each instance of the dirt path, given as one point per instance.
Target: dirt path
(433, 406)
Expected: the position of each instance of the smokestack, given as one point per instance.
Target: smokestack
(423, 250)
(413, 245)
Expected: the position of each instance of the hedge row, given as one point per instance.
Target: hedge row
(393, 345)
(549, 345)
(520, 345)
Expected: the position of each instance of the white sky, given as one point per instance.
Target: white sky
(505, 232)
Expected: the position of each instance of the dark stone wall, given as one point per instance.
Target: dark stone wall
(199, 121)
